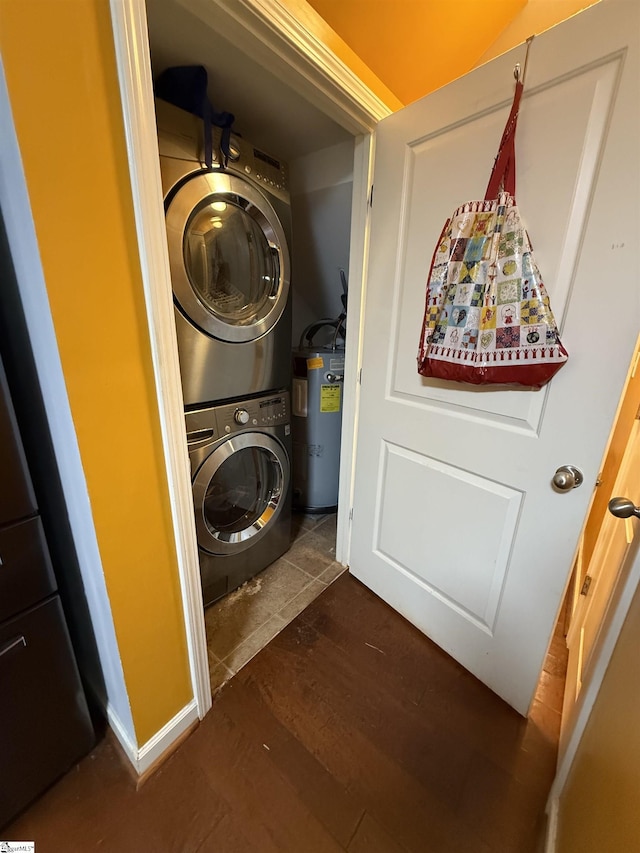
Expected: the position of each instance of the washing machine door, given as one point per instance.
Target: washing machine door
(239, 492)
(229, 257)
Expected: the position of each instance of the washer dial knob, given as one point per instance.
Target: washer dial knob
(241, 416)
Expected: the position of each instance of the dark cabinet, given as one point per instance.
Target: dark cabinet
(26, 574)
(43, 716)
(16, 493)
(44, 721)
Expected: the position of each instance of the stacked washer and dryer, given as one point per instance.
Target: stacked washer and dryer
(228, 233)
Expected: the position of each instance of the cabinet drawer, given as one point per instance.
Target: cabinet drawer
(16, 495)
(43, 714)
(26, 575)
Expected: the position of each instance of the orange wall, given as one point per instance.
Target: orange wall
(416, 46)
(61, 74)
(315, 24)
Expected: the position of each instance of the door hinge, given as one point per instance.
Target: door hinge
(585, 585)
(360, 377)
(370, 199)
(351, 514)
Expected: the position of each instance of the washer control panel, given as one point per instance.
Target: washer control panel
(274, 410)
(251, 414)
(216, 422)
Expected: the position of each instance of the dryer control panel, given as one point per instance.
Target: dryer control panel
(180, 142)
(250, 162)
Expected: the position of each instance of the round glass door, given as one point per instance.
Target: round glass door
(239, 491)
(228, 255)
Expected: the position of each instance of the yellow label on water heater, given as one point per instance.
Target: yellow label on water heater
(330, 398)
(314, 363)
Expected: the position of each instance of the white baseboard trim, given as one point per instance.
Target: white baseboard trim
(129, 747)
(154, 748)
(144, 757)
(552, 825)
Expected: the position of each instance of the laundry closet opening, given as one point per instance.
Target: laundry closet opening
(279, 213)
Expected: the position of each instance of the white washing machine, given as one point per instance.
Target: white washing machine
(228, 234)
(240, 456)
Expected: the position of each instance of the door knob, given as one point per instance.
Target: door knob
(567, 477)
(623, 508)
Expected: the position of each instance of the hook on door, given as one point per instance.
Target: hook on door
(518, 72)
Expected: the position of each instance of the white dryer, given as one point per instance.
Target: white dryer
(228, 234)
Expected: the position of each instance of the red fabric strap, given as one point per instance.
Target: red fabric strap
(503, 174)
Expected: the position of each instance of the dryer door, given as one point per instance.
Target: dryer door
(229, 258)
(239, 492)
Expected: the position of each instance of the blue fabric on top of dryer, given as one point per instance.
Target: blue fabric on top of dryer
(185, 86)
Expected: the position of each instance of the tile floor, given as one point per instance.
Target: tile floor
(243, 622)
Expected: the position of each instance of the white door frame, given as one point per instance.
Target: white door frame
(335, 90)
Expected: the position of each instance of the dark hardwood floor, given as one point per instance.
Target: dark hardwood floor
(349, 732)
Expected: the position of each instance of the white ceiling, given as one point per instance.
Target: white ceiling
(269, 113)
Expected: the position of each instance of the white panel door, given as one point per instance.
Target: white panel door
(456, 524)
